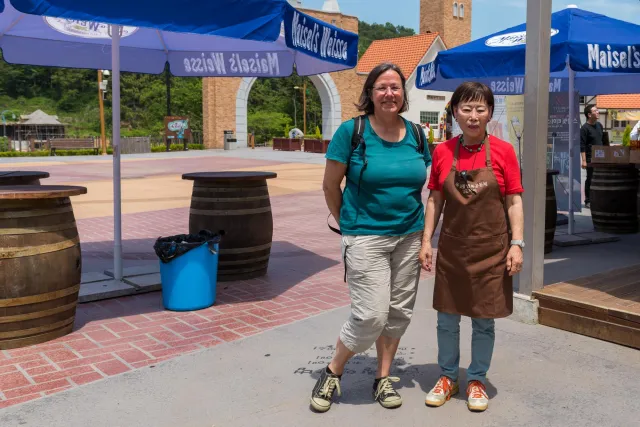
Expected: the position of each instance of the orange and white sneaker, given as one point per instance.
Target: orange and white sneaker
(477, 400)
(441, 392)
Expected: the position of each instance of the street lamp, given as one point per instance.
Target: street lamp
(103, 80)
(304, 105)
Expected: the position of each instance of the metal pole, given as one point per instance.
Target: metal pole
(103, 139)
(570, 91)
(117, 208)
(304, 107)
(295, 113)
(168, 81)
(536, 113)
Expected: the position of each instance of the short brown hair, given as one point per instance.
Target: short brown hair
(366, 102)
(472, 92)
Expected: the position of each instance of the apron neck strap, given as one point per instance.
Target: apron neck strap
(488, 151)
(456, 153)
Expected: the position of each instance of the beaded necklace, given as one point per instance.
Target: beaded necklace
(472, 150)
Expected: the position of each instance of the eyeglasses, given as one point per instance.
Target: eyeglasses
(383, 89)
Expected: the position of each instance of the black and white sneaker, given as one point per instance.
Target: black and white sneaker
(322, 394)
(385, 394)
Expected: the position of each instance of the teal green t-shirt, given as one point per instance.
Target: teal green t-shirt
(389, 200)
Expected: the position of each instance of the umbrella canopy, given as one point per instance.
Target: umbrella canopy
(603, 52)
(226, 38)
(222, 38)
(589, 52)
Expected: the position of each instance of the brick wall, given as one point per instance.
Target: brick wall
(219, 94)
(437, 16)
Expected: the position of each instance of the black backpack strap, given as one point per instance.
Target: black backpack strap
(418, 136)
(358, 131)
(335, 230)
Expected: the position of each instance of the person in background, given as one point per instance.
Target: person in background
(381, 217)
(591, 134)
(475, 178)
(635, 132)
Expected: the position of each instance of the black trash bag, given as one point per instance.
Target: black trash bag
(169, 248)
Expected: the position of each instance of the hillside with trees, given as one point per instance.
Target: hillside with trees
(274, 104)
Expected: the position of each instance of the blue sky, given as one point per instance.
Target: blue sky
(489, 16)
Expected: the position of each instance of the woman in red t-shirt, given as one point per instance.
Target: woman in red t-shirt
(475, 178)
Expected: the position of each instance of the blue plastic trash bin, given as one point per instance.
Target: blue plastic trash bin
(189, 281)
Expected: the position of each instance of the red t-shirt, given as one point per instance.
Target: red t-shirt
(503, 159)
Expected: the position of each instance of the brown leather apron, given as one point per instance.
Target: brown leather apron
(471, 274)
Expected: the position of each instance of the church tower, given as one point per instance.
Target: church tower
(450, 18)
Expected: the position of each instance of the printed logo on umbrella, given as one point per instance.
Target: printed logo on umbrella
(85, 29)
(511, 39)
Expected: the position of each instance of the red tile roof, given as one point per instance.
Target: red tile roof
(622, 102)
(406, 52)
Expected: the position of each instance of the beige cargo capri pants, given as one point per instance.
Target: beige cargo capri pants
(382, 274)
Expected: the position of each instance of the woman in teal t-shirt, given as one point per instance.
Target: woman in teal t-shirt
(381, 219)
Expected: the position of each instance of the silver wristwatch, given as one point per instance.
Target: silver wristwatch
(518, 243)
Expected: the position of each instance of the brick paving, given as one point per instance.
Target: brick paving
(119, 335)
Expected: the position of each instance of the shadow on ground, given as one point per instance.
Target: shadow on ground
(289, 266)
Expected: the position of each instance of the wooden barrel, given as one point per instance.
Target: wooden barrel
(638, 194)
(22, 177)
(614, 206)
(40, 264)
(551, 212)
(238, 203)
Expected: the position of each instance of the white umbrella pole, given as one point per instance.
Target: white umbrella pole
(571, 136)
(117, 209)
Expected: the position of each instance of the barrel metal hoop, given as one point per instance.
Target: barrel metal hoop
(607, 188)
(9, 253)
(200, 189)
(244, 261)
(34, 212)
(245, 250)
(229, 199)
(38, 229)
(231, 271)
(23, 333)
(228, 212)
(33, 299)
(38, 314)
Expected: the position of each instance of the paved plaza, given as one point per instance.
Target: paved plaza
(250, 360)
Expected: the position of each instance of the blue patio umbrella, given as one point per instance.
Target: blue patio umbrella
(590, 53)
(197, 38)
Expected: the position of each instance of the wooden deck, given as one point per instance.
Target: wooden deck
(604, 306)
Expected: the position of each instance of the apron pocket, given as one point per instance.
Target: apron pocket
(475, 257)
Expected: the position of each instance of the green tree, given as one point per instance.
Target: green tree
(626, 136)
(72, 95)
(266, 125)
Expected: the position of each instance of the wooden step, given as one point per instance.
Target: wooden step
(604, 306)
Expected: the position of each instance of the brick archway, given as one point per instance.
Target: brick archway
(338, 92)
(329, 97)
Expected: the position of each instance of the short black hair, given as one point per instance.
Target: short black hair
(472, 92)
(366, 102)
(587, 110)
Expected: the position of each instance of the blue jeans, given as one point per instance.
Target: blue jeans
(482, 341)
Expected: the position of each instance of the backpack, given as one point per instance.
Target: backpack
(358, 139)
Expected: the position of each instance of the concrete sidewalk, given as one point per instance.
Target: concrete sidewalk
(540, 377)
(260, 153)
